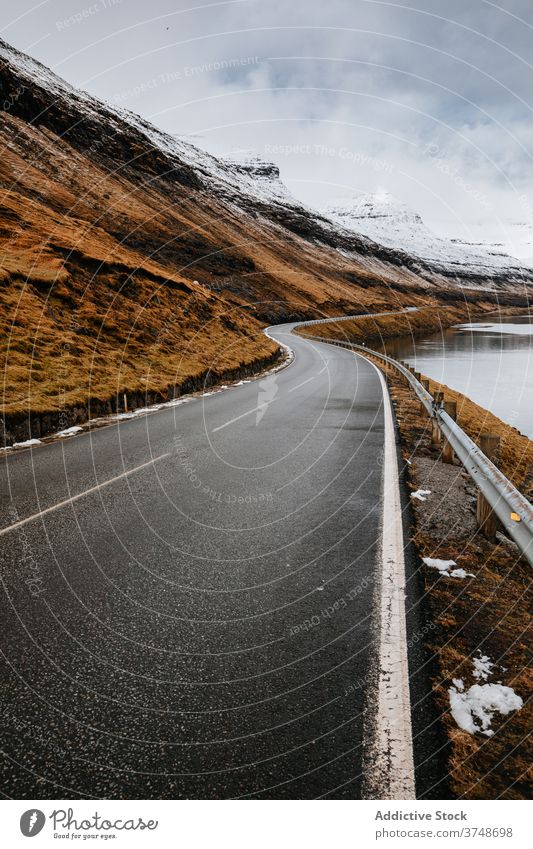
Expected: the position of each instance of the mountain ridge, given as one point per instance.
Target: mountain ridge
(191, 166)
(391, 222)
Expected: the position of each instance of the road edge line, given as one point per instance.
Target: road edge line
(389, 769)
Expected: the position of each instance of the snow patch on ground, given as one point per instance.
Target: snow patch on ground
(444, 568)
(27, 443)
(421, 494)
(474, 709)
(177, 401)
(460, 573)
(69, 431)
(141, 411)
(441, 565)
(482, 667)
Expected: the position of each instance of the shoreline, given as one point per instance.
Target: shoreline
(425, 321)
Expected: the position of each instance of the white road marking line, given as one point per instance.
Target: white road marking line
(260, 406)
(243, 415)
(77, 497)
(299, 385)
(389, 773)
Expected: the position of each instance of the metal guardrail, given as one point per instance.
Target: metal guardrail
(513, 510)
(351, 317)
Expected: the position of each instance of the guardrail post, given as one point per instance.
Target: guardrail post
(487, 521)
(425, 384)
(413, 372)
(435, 429)
(450, 407)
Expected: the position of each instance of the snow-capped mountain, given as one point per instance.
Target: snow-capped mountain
(369, 240)
(388, 221)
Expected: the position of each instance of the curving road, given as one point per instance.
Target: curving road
(191, 598)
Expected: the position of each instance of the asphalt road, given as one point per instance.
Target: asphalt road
(199, 623)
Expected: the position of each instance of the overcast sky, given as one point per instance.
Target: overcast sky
(428, 100)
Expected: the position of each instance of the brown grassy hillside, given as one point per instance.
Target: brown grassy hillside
(125, 267)
(107, 285)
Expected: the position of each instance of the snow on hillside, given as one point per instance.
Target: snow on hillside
(240, 176)
(390, 222)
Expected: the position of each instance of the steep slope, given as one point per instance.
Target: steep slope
(132, 261)
(390, 222)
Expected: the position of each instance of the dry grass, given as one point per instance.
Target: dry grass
(58, 355)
